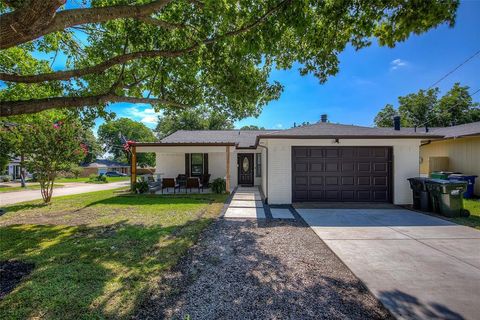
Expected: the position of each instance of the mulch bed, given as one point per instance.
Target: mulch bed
(11, 274)
(264, 270)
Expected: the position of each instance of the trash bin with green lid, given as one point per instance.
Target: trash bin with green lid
(421, 198)
(440, 174)
(446, 196)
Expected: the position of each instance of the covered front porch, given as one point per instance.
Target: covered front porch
(179, 165)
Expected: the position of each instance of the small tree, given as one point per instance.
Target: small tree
(50, 146)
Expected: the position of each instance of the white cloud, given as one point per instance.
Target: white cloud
(279, 126)
(397, 64)
(147, 115)
(150, 119)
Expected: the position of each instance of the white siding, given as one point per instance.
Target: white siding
(405, 164)
(170, 164)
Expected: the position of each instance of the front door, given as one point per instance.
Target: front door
(245, 169)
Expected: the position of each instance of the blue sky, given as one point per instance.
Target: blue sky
(368, 79)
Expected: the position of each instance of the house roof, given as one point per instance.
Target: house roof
(333, 130)
(250, 138)
(104, 163)
(239, 138)
(462, 130)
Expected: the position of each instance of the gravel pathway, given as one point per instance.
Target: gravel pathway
(261, 270)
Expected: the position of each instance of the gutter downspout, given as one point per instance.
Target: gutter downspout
(266, 172)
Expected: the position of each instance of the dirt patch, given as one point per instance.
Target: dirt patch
(269, 270)
(11, 274)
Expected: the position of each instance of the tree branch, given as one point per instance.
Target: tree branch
(12, 108)
(40, 17)
(65, 75)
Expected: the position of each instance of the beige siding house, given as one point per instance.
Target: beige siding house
(323, 162)
(458, 151)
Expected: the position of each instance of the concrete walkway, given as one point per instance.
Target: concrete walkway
(419, 266)
(246, 204)
(69, 189)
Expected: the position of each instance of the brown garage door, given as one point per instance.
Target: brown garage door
(342, 174)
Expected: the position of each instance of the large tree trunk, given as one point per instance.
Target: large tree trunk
(40, 17)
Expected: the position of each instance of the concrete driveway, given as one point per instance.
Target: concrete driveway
(7, 198)
(419, 266)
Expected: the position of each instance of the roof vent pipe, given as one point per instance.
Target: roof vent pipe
(396, 123)
(323, 118)
(426, 127)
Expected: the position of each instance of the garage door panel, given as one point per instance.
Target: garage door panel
(317, 167)
(316, 153)
(316, 195)
(380, 181)
(347, 153)
(363, 167)
(300, 152)
(348, 166)
(332, 153)
(332, 166)
(316, 181)
(348, 180)
(348, 195)
(332, 181)
(301, 181)
(301, 167)
(380, 167)
(341, 174)
(332, 195)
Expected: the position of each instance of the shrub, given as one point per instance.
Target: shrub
(219, 185)
(93, 178)
(140, 187)
(5, 178)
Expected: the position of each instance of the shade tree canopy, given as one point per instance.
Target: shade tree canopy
(186, 53)
(198, 118)
(111, 134)
(426, 108)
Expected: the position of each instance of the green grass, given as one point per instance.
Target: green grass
(97, 254)
(472, 205)
(29, 186)
(86, 179)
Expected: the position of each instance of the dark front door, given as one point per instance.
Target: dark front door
(342, 174)
(245, 169)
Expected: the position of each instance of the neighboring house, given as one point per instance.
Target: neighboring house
(101, 166)
(319, 162)
(458, 150)
(13, 169)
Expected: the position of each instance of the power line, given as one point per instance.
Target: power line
(455, 69)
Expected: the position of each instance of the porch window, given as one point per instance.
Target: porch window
(196, 164)
(258, 165)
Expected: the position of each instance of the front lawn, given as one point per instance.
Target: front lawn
(472, 205)
(96, 254)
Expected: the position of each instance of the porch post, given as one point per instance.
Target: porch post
(133, 170)
(227, 184)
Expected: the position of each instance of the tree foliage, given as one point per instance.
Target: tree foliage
(178, 54)
(92, 146)
(51, 143)
(200, 118)
(252, 127)
(109, 135)
(424, 107)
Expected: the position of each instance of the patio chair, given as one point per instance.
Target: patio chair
(170, 183)
(182, 180)
(193, 183)
(206, 179)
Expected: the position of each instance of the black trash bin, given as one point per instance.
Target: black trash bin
(421, 199)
